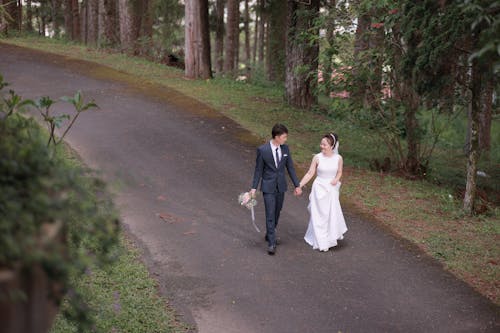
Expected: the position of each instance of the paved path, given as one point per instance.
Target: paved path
(177, 173)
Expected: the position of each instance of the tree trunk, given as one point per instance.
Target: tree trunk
(29, 16)
(256, 32)
(301, 54)
(19, 15)
(411, 101)
(473, 152)
(84, 19)
(129, 25)
(277, 41)
(146, 16)
(219, 36)
(55, 9)
(329, 51)
(248, 55)
(262, 31)
(232, 35)
(92, 24)
(373, 91)
(197, 49)
(75, 20)
(361, 46)
(110, 27)
(486, 102)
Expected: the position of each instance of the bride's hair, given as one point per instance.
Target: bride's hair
(332, 138)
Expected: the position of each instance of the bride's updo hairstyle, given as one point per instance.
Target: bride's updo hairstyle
(332, 139)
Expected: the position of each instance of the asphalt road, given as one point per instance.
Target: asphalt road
(177, 167)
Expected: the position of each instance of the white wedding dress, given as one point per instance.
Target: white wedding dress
(326, 222)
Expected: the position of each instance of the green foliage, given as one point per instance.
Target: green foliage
(485, 22)
(52, 214)
(168, 34)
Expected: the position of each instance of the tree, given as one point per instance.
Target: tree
(302, 50)
(72, 19)
(277, 40)
(483, 29)
(232, 35)
(129, 25)
(219, 36)
(247, 35)
(29, 16)
(108, 31)
(197, 49)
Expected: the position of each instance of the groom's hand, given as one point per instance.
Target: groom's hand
(298, 191)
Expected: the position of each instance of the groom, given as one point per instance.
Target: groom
(272, 159)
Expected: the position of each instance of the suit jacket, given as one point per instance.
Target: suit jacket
(273, 178)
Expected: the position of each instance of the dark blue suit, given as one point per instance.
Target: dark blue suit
(273, 184)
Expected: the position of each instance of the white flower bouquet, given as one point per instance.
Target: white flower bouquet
(246, 199)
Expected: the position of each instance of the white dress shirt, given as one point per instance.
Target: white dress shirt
(273, 149)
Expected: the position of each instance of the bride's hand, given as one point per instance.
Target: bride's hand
(334, 182)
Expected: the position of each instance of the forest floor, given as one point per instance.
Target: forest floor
(427, 214)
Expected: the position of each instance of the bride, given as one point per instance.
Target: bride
(326, 222)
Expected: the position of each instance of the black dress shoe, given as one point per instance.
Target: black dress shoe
(271, 250)
(278, 240)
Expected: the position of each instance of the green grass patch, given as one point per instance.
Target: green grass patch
(425, 212)
(123, 298)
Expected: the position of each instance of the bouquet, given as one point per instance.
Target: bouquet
(246, 199)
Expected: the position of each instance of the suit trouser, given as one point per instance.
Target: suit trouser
(273, 203)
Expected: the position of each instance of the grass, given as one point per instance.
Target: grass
(123, 298)
(426, 212)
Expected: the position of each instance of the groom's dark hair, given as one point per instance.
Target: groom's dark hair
(279, 129)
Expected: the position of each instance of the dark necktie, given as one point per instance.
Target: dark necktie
(277, 157)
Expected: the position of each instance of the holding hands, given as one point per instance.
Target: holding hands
(298, 191)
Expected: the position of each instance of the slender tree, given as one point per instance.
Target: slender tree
(248, 55)
(219, 36)
(302, 52)
(29, 16)
(262, 31)
(277, 40)
(75, 20)
(232, 35)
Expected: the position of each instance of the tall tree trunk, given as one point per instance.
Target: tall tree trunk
(197, 48)
(412, 102)
(473, 152)
(29, 16)
(146, 17)
(329, 51)
(84, 21)
(232, 35)
(301, 54)
(130, 25)
(92, 26)
(256, 32)
(219, 36)
(110, 23)
(485, 116)
(55, 9)
(262, 31)
(361, 46)
(248, 55)
(75, 20)
(277, 40)
(19, 15)
(373, 91)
